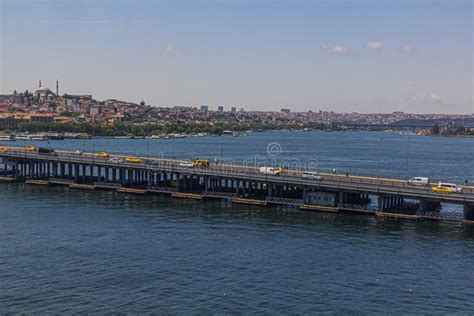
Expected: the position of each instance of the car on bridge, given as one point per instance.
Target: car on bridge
(271, 170)
(46, 151)
(102, 155)
(204, 163)
(115, 160)
(133, 159)
(312, 175)
(445, 188)
(3, 150)
(186, 164)
(279, 170)
(421, 181)
(31, 148)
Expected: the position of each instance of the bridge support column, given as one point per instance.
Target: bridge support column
(76, 173)
(429, 206)
(270, 190)
(15, 170)
(469, 212)
(381, 202)
(305, 193)
(179, 185)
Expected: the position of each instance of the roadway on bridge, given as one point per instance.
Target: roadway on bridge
(354, 183)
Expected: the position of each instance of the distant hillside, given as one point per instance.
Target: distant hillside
(466, 122)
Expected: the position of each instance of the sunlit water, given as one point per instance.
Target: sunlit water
(64, 251)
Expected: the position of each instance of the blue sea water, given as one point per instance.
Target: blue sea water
(66, 251)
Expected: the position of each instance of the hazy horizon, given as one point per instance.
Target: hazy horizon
(364, 56)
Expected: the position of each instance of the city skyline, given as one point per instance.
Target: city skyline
(344, 57)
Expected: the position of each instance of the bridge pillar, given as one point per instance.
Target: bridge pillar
(237, 187)
(270, 190)
(429, 206)
(380, 202)
(469, 212)
(305, 193)
(83, 173)
(14, 169)
(179, 185)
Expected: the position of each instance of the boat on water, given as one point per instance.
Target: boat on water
(157, 136)
(39, 137)
(33, 137)
(130, 136)
(7, 138)
(178, 135)
(54, 136)
(77, 136)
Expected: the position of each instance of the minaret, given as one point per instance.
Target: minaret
(57, 88)
(40, 84)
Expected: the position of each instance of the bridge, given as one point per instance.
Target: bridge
(239, 183)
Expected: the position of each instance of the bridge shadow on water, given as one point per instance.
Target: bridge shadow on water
(156, 208)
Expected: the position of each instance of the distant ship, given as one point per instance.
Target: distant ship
(34, 137)
(7, 138)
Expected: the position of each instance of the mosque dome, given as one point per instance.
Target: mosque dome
(43, 89)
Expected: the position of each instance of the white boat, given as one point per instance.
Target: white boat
(156, 136)
(7, 138)
(38, 137)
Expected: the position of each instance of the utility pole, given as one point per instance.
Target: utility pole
(407, 156)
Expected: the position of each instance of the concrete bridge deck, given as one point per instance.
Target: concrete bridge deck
(242, 181)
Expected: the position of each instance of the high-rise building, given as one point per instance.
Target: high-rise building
(233, 109)
(220, 108)
(204, 107)
(285, 110)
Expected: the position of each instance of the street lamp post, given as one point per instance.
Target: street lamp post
(407, 156)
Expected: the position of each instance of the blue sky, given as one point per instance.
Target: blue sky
(365, 56)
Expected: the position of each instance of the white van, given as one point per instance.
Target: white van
(419, 181)
(312, 175)
(268, 170)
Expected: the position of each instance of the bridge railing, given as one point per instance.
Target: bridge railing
(217, 169)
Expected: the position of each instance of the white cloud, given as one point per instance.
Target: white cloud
(339, 50)
(334, 49)
(374, 45)
(435, 98)
(423, 98)
(169, 50)
(408, 49)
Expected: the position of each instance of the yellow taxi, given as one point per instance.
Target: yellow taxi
(31, 148)
(133, 159)
(279, 170)
(103, 155)
(201, 163)
(3, 150)
(446, 188)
